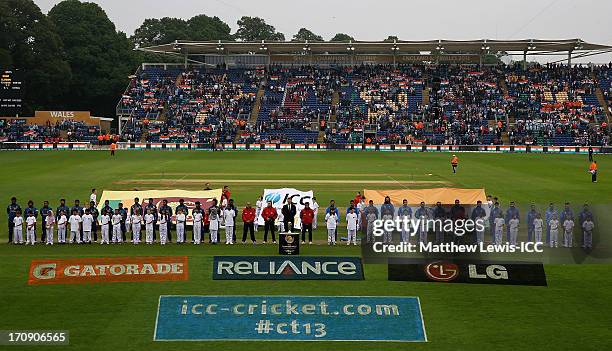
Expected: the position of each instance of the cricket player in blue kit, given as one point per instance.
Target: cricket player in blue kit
(44, 212)
(495, 212)
(405, 212)
(387, 212)
(531, 216)
(11, 211)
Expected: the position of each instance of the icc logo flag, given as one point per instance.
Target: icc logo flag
(280, 196)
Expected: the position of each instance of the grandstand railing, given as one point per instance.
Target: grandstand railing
(36, 146)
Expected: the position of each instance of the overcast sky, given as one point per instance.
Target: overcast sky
(589, 20)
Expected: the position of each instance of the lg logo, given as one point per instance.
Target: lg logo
(446, 271)
(442, 271)
(494, 271)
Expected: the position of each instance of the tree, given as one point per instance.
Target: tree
(100, 57)
(304, 34)
(30, 43)
(391, 39)
(255, 29)
(155, 31)
(202, 27)
(342, 37)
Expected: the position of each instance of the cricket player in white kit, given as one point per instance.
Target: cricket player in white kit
(30, 229)
(105, 225)
(229, 215)
(351, 226)
(213, 224)
(49, 224)
(163, 228)
(538, 228)
(75, 221)
(18, 228)
(315, 209)
(568, 232)
(587, 238)
(61, 228)
(87, 225)
(259, 205)
(514, 227)
(553, 225)
(331, 219)
(116, 221)
(499, 228)
(180, 227)
(197, 227)
(149, 219)
(136, 228)
(93, 197)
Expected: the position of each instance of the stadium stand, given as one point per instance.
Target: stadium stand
(389, 104)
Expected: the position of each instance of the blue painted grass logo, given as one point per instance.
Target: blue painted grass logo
(289, 318)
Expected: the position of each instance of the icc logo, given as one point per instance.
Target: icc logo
(44, 271)
(274, 197)
(442, 271)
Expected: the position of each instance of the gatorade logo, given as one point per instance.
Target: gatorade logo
(107, 270)
(442, 271)
(44, 271)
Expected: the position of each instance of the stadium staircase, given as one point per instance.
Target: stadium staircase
(254, 112)
(602, 100)
(332, 117)
(426, 95)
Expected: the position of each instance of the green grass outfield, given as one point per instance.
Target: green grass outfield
(572, 313)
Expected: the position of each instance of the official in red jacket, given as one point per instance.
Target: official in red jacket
(307, 216)
(248, 217)
(269, 215)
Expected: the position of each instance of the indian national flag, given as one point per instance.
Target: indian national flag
(156, 146)
(184, 146)
(504, 148)
(241, 146)
(401, 147)
(140, 146)
(432, 148)
(270, 146)
(385, 147)
(47, 146)
(370, 147)
(520, 148)
(34, 146)
(285, 146)
(536, 149)
(553, 149)
(62, 146)
(300, 146)
(445, 148)
(79, 146)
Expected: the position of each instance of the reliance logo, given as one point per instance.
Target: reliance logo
(273, 267)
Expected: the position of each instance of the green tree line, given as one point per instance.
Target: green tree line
(75, 58)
